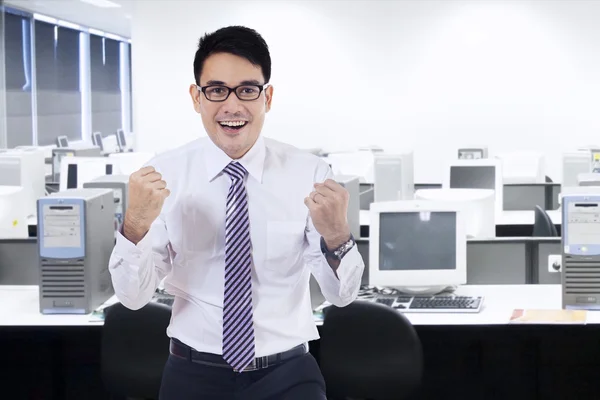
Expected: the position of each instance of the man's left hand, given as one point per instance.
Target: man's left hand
(328, 208)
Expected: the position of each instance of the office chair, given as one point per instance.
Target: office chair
(135, 348)
(543, 225)
(549, 180)
(369, 351)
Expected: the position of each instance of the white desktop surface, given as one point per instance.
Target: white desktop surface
(525, 217)
(19, 306)
(498, 305)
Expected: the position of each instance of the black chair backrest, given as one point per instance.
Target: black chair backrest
(548, 179)
(135, 348)
(543, 225)
(370, 351)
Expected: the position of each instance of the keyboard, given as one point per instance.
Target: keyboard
(432, 304)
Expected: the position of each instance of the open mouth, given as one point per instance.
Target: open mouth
(233, 126)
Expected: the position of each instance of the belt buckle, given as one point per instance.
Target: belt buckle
(258, 363)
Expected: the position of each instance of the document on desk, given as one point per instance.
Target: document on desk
(520, 316)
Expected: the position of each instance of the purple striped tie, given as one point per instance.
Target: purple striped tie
(238, 329)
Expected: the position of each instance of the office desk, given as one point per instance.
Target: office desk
(467, 356)
(19, 306)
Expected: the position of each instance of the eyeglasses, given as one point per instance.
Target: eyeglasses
(218, 93)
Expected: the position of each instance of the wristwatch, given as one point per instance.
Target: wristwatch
(340, 252)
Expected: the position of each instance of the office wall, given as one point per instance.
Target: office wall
(427, 75)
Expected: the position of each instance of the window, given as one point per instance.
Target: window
(57, 77)
(19, 107)
(106, 89)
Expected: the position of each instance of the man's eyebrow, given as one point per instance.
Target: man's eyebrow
(214, 83)
(251, 82)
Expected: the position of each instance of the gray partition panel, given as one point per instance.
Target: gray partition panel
(366, 196)
(497, 261)
(19, 262)
(363, 248)
(524, 197)
(545, 274)
(554, 192)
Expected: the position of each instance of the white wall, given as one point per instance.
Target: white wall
(426, 75)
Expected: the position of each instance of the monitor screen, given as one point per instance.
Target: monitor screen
(410, 241)
(97, 139)
(472, 177)
(63, 141)
(121, 139)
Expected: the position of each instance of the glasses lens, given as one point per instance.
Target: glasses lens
(248, 92)
(216, 93)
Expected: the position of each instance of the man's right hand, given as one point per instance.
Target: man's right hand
(147, 194)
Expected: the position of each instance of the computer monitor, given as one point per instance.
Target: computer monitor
(477, 174)
(479, 207)
(26, 168)
(522, 167)
(573, 164)
(394, 177)
(75, 171)
(13, 216)
(121, 141)
(128, 163)
(418, 246)
(97, 140)
(589, 179)
(62, 141)
(472, 153)
(356, 163)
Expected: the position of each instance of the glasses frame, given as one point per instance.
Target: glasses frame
(261, 88)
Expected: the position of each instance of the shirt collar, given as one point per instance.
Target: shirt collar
(253, 161)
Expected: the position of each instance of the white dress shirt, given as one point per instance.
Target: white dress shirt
(186, 246)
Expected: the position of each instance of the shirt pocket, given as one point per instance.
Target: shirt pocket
(285, 245)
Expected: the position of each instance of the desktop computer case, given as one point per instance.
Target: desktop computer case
(76, 280)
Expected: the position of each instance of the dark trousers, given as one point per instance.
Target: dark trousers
(296, 379)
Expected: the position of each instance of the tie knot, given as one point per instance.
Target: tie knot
(235, 171)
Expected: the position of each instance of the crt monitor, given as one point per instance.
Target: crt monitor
(418, 246)
(75, 171)
(62, 142)
(472, 153)
(477, 174)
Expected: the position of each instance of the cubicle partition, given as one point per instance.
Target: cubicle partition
(525, 196)
(500, 261)
(19, 262)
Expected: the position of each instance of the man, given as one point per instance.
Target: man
(236, 223)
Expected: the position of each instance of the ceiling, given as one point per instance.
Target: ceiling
(110, 20)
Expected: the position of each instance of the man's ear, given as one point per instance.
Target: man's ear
(268, 98)
(195, 95)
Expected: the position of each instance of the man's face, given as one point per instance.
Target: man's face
(233, 125)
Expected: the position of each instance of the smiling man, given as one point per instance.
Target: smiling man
(236, 224)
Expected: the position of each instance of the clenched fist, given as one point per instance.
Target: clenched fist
(147, 194)
(328, 208)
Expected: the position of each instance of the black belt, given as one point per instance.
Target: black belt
(184, 351)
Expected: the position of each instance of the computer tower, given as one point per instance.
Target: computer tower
(580, 245)
(394, 177)
(75, 240)
(351, 184)
(59, 153)
(119, 184)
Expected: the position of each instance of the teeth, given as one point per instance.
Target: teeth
(233, 123)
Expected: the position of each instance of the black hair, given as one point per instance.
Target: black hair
(237, 40)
